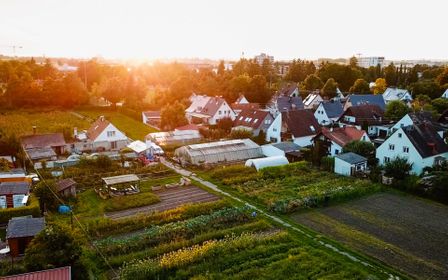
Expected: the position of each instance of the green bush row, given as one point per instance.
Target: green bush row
(32, 209)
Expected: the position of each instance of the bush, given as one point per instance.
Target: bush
(31, 209)
(398, 168)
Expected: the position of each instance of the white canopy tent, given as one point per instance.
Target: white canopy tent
(260, 163)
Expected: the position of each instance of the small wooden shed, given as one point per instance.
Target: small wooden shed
(20, 232)
(66, 187)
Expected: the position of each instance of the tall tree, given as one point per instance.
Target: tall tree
(313, 82)
(395, 110)
(173, 116)
(330, 88)
(380, 86)
(360, 86)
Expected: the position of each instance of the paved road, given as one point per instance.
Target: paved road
(277, 219)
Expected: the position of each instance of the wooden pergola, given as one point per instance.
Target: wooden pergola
(122, 184)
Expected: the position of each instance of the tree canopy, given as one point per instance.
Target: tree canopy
(395, 110)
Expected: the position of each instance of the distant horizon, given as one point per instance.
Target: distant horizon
(175, 29)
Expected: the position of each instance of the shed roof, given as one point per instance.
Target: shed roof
(43, 140)
(120, 179)
(65, 184)
(351, 158)
(138, 146)
(287, 146)
(39, 153)
(24, 227)
(14, 188)
(60, 273)
(260, 163)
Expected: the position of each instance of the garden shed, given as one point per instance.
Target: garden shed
(122, 184)
(260, 163)
(20, 232)
(349, 164)
(221, 151)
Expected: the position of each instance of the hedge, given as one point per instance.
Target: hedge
(31, 209)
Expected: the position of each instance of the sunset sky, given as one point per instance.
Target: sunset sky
(396, 29)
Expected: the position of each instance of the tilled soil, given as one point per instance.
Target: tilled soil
(406, 232)
(170, 199)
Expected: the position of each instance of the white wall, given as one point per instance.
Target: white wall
(321, 115)
(418, 163)
(271, 151)
(224, 108)
(341, 167)
(404, 121)
(304, 141)
(118, 135)
(275, 129)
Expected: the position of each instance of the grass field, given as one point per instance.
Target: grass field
(91, 205)
(20, 122)
(292, 187)
(134, 129)
(408, 233)
(219, 241)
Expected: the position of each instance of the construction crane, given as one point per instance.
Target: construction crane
(14, 48)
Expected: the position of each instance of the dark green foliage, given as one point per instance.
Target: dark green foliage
(173, 116)
(31, 209)
(329, 89)
(313, 82)
(327, 163)
(398, 168)
(46, 192)
(395, 110)
(360, 86)
(440, 104)
(426, 87)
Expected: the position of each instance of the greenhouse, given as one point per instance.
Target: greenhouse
(216, 152)
(260, 163)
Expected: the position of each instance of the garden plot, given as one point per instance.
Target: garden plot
(169, 199)
(292, 187)
(408, 233)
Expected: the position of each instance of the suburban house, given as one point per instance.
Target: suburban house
(151, 118)
(287, 99)
(101, 136)
(291, 90)
(312, 101)
(367, 117)
(328, 112)
(187, 134)
(334, 139)
(419, 143)
(260, 120)
(20, 232)
(243, 104)
(60, 273)
(348, 164)
(392, 94)
(300, 126)
(208, 110)
(44, 146)
(365, 99)
(66, 187)
(420, 117)
(14, 194)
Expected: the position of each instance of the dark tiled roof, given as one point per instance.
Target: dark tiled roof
(425, 139)
(24, 227)
(61, 273)
(43, 140)
(244, 106)
(152, 114)
(444, 117)
(251, 118)
(351, 158)
(212, 106)
(334, 109)
(424, 116)
(65, 184)
(97, 127)
(14, 188)
(301, 123)
(287, 147)
(286, 103)
(363, 99)
(288, 90)
(40, 153)
(365, 114)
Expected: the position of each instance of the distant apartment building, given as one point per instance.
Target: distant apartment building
(367, 62)
(261, 57)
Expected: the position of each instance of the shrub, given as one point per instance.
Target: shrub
(31, 209)
(398, 168)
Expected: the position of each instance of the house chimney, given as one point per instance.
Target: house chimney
(102, 118)
(34, 129)
(75, 131)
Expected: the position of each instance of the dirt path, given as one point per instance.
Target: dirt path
(170, 199)
(406, 232)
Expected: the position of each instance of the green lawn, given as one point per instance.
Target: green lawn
(21, 122)
(91, 205)
(2, 234)
(134, 129)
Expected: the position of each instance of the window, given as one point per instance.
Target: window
(391, 147)
(110, 133)
(405, 149)
(256, 120)
(219, 112)
(386, 159)
(113, 145)
(399, 135)
(241, 117)
(312, 128)
(336, 151)
(274, 129)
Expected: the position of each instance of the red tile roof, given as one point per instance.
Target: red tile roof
(62, 273)
(97, 127)
(251, 118)
(65, 184)
(43, 140)
(237, 106)
(343, 135)
(365, 114)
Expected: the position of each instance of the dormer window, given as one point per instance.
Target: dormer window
(312, 128)
(111, 133)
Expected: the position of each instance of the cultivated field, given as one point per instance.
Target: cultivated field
(291, 187)
(134, 129)
(20, 122)
(216, 240)
(405, 232)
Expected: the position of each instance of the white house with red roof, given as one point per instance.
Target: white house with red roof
(335, 139)
(208, 110)
(260, 120)
(101, 136)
